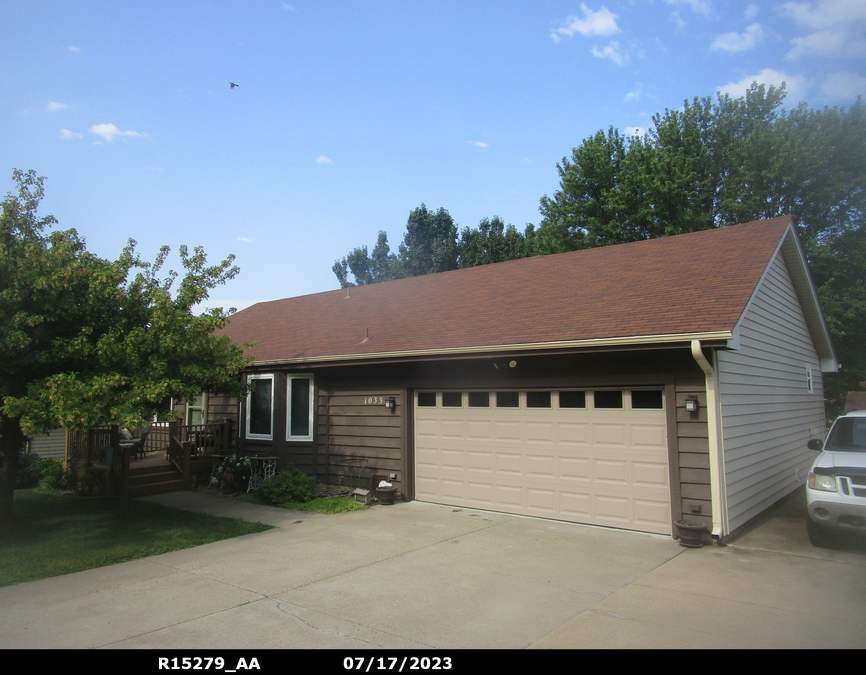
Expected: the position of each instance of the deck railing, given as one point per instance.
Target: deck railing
(182, 443)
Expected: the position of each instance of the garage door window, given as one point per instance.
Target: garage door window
(427, 399)
(507, 399)
(537, 399)
(452, 399)
(607, 399)
(479, 399)
(572, 399)
(646, 399)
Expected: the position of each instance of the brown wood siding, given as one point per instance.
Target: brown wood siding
(364, 438)
(694, 452)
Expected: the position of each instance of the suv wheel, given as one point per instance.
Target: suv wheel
(818, 536)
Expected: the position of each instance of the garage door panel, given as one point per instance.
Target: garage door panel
(507, 431)
(571, 434)
(540, 466)
(604, 467)
(573, 468)
(481, 461)
(650, 475)
(609, 471)
(609, 435)
(509, 463)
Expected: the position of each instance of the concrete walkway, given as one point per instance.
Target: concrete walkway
(420, 575)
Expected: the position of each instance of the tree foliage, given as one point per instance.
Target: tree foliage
(728, 161)
(86, 340)
(431, 244)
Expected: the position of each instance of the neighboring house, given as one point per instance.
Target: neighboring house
(49, 446)
(626, 386)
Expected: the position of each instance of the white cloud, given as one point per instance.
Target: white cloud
(480, 144)
(602, 22)
(153, 168)
(288, 7)
(839, 27)
(109, 132)
(635, 131)
(53, 106)
(739, 42)
(635, 94)
(795, 84)
(844, 86)
(74, 49)
(678, 20)
(751, 11)
(246, 239)
(613, 52)
(700, 6)
(67, 135)
(321, 159)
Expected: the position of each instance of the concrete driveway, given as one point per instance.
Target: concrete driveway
(425, 576)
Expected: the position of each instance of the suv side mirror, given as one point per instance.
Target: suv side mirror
(815, 444)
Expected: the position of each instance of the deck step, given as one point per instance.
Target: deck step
(156, 488)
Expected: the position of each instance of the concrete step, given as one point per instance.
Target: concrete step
(153, 477)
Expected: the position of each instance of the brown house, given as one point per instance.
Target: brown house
(626, 386)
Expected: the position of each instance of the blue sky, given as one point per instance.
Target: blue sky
(350, 114)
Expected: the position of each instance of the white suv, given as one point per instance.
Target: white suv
(836, 486)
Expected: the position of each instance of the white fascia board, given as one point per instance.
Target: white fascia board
(673, 339)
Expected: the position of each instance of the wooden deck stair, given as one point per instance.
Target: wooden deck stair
(152, 476)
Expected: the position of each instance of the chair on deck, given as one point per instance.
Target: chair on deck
(136, 443)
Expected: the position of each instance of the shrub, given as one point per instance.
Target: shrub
(25, 476)
(50, 474)
(233, 473)
(290, 485)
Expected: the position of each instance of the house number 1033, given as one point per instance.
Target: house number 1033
(374, 400)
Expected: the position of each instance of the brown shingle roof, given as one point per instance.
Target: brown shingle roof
(686, 284)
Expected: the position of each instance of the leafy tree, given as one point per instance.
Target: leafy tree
(722, 162)
(430, 244)
(87, 340)
(491, 242)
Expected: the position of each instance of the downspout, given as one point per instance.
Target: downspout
(717, 468)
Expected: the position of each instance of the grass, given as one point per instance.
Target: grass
(328, 505)
(57, 534)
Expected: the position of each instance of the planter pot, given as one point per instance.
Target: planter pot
(386, 495)
(690, 534)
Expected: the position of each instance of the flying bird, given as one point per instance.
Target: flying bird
(232, 85)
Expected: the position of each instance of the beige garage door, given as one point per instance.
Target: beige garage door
(586, 456)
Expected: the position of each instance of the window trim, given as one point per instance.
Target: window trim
(289, 378)
(190, 408)
(260, 437)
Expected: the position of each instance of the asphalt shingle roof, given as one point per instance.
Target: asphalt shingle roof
(690, 283)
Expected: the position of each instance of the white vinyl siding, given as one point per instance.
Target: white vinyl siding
(768, 413)
(52, 445)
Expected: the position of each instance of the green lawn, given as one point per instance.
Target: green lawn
(329, 505)
(58, 534)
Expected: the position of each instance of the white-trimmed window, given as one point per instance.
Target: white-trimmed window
(196, 409)
(260, 407)
(299, 408)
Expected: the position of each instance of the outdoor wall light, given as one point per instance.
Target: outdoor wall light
(692, 404)
(391, 403)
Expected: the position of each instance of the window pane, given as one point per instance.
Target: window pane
(572, 399)
(507, 399)
(452, 399)
(642, 398)
(299, 424)
(608, 399)
(537, 399)
(427, 399)
(479, 399)
(260, 407)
